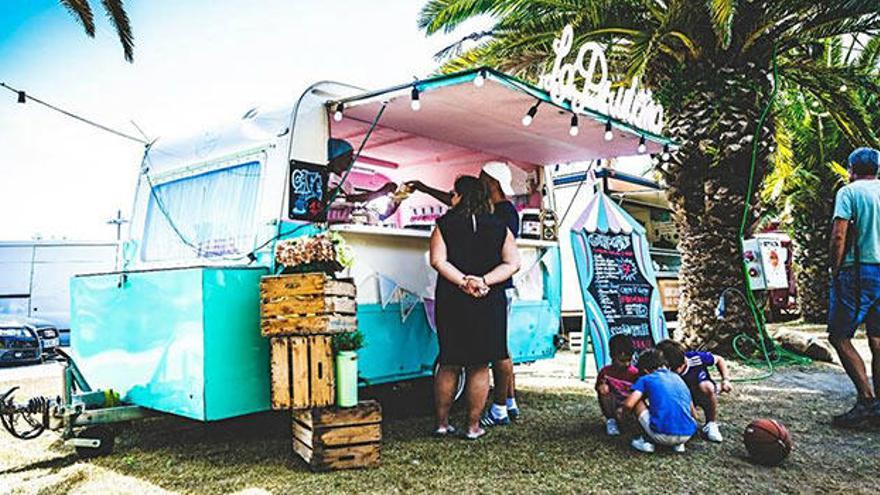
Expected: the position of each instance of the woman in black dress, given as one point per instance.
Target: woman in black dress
(474, 254)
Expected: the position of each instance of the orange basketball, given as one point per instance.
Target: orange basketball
(767, 441)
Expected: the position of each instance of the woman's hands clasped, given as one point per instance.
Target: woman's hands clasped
(474, 286)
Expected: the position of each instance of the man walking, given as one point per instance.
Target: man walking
(855, 288)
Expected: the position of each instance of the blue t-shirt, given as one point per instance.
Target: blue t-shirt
(696, 367)
(506, 212)
(861, 200)
(669, 402)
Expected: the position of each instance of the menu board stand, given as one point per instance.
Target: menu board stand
(617, 280)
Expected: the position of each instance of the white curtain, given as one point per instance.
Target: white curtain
(214, 215)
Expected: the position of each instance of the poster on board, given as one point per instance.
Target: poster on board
(307, 196)
(617, 279)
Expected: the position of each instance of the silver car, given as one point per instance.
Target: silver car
(16, 339)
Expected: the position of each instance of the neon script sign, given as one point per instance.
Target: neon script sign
(629, 104)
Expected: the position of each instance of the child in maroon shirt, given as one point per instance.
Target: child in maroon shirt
(614, 381)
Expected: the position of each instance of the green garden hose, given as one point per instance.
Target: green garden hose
(779, 355)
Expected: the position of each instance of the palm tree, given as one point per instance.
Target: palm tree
(808, 168)
(710, 63)
(82, 11)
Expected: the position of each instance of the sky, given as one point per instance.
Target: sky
(196, 62)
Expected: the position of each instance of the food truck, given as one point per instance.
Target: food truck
(177, 329)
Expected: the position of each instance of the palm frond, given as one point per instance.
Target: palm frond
(722, 12)
(116, 12)
(82, 12)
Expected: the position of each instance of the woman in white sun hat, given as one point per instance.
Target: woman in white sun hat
(497, 178)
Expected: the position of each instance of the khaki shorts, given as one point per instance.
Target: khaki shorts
(660, 438)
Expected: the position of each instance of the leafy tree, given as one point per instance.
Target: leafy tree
(809, 167)
(115, 10)
(710, 63)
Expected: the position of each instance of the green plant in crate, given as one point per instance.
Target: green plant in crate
(325, 252)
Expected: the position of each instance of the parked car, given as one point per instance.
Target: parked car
(50, 337)
(19, 342)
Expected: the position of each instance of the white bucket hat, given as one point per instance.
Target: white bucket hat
(500, 171)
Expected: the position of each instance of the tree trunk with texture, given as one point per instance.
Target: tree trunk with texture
(707, 179)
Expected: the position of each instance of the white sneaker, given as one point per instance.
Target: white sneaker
(712, 433)
(678, 449)
(642, 445)
(611, 427)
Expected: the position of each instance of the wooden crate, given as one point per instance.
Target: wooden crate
(302, 372)
(306, 304)
(332, 438)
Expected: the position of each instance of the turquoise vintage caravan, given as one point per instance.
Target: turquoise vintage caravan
(177, 329)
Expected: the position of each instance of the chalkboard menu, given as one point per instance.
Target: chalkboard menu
(620, 289)
(308, 192)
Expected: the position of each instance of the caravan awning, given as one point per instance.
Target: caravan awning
(459, 121)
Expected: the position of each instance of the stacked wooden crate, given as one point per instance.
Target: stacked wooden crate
(300, 313)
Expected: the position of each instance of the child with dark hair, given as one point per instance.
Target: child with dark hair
(693, 368)
(614, 381)
(662, 403)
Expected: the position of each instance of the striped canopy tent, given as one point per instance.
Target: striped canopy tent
(602, 218)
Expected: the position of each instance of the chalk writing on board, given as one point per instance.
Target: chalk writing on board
(308, 191)
(619, 287)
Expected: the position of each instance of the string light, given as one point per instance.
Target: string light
(608, 134)
(843, 88)
(480, 79)
(642, 146)
(530, 115)
(337, 115)
(22, 97)
(665, 155)
(415, 104)
(573, 130)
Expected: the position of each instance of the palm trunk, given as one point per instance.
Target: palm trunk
(707, 181)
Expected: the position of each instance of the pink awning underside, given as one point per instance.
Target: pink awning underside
(463, 124)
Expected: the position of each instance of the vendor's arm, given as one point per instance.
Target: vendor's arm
(371, 195)
(721, 364)
(441, 196)
(509, 262)
(440, 263)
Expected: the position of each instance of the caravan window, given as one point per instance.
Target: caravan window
(211, 215)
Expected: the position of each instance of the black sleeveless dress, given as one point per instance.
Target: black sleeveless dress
(471, 330)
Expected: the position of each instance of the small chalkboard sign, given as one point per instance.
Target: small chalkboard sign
(618, 286)
(308, 192)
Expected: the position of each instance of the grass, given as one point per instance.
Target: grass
(559, 447)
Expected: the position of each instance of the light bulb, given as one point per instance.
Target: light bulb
(416, 105)
(573, 130)
(530, 115)
(642, 146)
(609, 135)
(527, 120)
(479, 80)
(337, 116)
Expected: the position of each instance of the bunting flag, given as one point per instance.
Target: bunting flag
(388, 290)
(408, 302)
(429, 313)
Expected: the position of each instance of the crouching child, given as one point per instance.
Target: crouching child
(615, 380)
(692, 366)
(662, 403)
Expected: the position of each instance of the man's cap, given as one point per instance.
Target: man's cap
(339, 154)
(500, 171)
(864, 156)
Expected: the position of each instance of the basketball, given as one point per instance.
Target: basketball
(767, 441)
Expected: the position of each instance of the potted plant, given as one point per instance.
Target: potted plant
(345, 346)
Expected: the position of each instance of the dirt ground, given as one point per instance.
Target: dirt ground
(558, 447)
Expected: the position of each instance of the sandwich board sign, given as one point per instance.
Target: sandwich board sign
(617, 279)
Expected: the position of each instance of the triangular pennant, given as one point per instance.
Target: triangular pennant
(429, 313)
(408, 302)
(387, 290)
